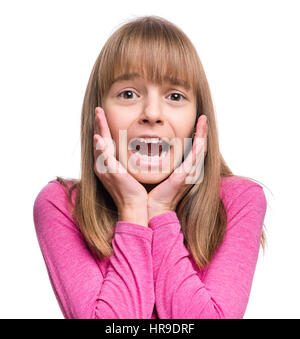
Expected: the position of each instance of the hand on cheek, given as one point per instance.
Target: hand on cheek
(125, 190)
(165, 196)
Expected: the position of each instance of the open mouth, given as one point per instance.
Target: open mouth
(149, 147)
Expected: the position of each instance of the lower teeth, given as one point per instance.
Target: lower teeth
(154, 157)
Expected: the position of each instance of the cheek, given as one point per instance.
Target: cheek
(116, 123)
(183, 129)
(119, 134)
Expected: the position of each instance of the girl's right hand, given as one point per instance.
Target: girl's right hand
(128, 194)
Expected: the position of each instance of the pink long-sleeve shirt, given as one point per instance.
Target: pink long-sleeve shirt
(151, 273)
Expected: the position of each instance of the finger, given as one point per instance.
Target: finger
(201, 125)
(197, 148)
(206, 134)
(102, 122)
(197, 174)
(105, 162)
(201, 140)
(199, 158)
(99, 143)
(96, 125)
(199, 151)
(104, 130)
(201, 131)
(99, 147)
(186, 165)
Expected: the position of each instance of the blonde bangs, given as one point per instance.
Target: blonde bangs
(155, 53)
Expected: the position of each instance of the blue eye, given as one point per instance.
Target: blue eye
(126, 97)
(177, 95)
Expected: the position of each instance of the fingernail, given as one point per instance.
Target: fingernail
(98, 109)
(199, 122)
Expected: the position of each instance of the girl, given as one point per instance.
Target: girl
(130, 239)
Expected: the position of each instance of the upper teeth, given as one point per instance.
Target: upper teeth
(149, 140)
(165, 145)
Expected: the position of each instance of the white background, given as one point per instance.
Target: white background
(250, 52)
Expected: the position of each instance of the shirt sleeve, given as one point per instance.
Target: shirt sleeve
(124, 291)
(222, 289)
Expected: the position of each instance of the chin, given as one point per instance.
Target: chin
(148, 177)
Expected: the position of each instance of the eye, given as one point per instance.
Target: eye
(176, 96)
(130, 96)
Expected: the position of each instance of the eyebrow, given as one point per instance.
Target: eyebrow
(132, 76)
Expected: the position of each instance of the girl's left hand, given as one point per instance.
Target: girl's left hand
(165, 196)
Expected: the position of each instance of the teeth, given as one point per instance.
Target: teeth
(149, 140)
(155, 148)
(146, 157)
(153, 157)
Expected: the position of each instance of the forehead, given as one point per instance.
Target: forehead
(135, 76)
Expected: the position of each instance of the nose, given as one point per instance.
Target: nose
(152, 111)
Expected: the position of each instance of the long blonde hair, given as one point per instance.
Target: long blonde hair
(153, 47)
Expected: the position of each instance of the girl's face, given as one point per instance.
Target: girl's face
(140, 108)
